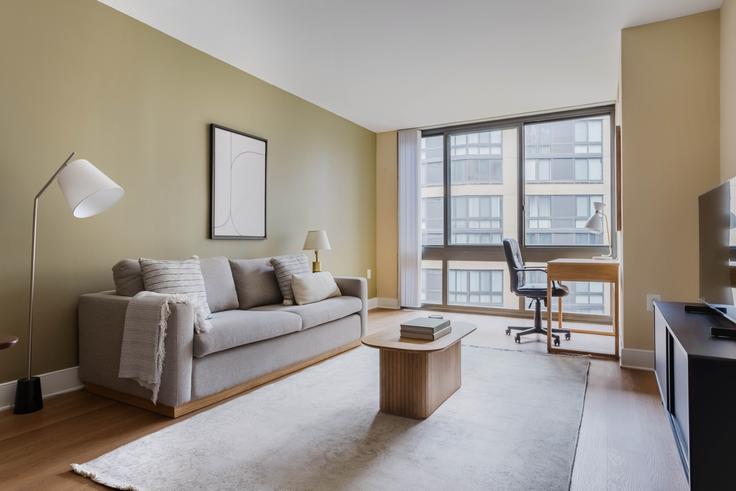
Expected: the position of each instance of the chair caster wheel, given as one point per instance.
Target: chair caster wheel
(517, 339)
(557, 342)
(508, 332)
(567, 337)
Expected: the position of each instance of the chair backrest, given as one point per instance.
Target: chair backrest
(515, 263)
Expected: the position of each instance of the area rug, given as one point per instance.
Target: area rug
(513, 425)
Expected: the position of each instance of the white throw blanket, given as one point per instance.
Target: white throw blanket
(142, 351)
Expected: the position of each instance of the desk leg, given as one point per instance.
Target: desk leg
(615, 318)
(559, 312)
(549, 314)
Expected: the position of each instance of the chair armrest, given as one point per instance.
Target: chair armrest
(354, 286)
(535, 268)
(101, 323)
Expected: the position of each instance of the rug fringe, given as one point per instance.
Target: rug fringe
(79, 469)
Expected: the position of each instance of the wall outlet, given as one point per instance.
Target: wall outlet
(368, 274)
(651, 298)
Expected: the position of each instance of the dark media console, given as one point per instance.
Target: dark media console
(696, 374)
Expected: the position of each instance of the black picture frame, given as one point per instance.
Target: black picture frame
(214, 235)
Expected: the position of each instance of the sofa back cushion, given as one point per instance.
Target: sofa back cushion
(285, 267)
(174, 276)
(219, 284)
(255, 282)
(127, 277)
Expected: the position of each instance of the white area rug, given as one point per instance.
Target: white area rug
(513, 425)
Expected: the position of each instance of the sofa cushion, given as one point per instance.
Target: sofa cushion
(174, 276)
(313, 287)
(127, 277)
(314, 314)
(255, 282)
(233, 328)
(285, 267)
(219, 284)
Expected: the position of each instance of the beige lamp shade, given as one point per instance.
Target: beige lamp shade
(87, 189)
(317, 241)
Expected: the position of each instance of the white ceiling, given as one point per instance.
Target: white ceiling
(389, 64)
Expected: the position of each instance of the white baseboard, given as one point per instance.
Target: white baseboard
(383, 303)
(639, 359)
(52, 383)
(388, 303)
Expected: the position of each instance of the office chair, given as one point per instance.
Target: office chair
(537, 292)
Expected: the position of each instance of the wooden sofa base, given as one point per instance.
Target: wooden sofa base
(176, 411)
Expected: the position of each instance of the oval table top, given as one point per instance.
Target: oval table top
(390, 338)
(8, 342)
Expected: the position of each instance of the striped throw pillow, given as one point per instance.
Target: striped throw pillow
(285, 267)
(172, 276)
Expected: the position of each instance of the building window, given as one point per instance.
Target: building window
(432, 173)
(431, 282)
(432, 221)
(477, 219)
(560, 220)
(585, 297)
(432, 181)
(488, 142)
(476, 158)
(477, 171)
(563, 170)
(481, 288)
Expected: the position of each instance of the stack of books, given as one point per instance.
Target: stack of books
(426, 328)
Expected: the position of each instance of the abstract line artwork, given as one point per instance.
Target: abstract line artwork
(238, 205)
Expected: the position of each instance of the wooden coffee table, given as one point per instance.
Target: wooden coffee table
(418, 376)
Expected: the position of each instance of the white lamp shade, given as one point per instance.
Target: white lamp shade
(317, 241)
(87, 190)
(595, 223)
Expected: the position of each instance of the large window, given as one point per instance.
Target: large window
(534, 180)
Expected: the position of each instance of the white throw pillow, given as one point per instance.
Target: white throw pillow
(313, 287)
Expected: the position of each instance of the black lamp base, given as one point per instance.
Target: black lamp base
(28, 398)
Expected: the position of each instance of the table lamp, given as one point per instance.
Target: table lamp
(597, 223)
(316, 241)
(88, 192)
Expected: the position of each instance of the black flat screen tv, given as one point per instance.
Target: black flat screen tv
(717, 225)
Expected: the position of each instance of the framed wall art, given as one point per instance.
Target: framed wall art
(238, 200)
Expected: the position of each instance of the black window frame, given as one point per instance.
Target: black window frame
(532, 253)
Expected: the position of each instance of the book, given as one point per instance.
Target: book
(428, 336)
(425, 325)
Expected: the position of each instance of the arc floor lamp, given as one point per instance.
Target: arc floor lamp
(88, 192)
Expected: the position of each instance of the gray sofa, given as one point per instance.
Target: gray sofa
(254, 337)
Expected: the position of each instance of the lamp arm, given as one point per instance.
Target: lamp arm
(33, 260)
(608, 234)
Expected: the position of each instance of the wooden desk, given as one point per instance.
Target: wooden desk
(603, 270)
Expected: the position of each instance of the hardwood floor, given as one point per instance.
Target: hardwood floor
(625, 441)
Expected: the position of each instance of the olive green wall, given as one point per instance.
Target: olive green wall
(77, 75)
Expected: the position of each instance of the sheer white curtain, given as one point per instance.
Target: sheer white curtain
(410, 246)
